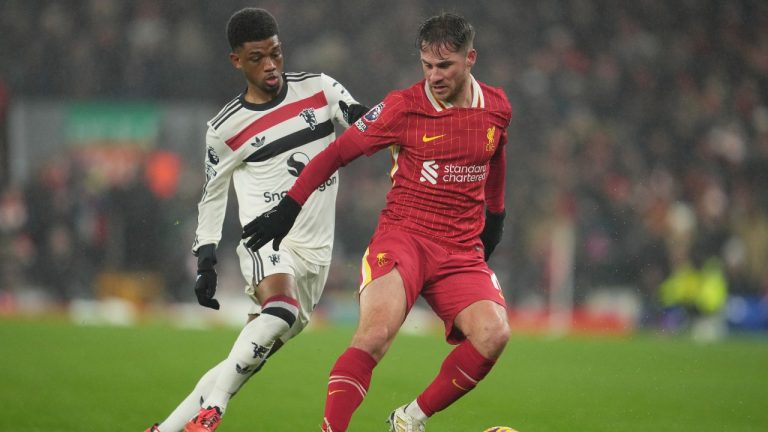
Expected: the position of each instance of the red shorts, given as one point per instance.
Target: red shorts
(448, 281)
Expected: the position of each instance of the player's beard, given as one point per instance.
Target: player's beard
(272, 88)
(460, 84)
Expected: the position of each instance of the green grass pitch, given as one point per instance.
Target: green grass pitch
(58, 377)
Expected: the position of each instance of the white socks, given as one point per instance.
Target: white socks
(413, 410)
(248, 353)
(189, 407)
(251, 348)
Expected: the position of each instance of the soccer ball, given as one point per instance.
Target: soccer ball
(500, 429)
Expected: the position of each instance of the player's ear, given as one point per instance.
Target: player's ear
(234, 58)
(471, 57)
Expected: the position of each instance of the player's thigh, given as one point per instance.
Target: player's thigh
(310, 281)
(405, 252)
(382, 311)
(267, 273)
(462, 282)
(285, 272)
(394, 268)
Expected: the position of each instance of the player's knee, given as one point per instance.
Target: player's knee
(283, 307)
(500, 335)
(373, 339)
(302, 321)
(491, 338)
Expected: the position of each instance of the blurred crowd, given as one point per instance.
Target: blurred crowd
(640, 133)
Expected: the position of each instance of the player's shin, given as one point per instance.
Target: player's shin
(460, 372)
(252, 348)
(347, 386)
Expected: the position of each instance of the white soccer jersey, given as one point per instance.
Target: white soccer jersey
(263, 148)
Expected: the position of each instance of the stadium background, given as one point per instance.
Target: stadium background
(638, 154)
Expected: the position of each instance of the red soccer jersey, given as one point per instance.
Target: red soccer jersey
(442, 158)
(447, 161)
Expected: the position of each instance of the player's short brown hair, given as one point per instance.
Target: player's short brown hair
(446, 30)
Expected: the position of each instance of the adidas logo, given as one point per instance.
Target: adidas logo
(242, 370)
(258, 142)
(429, 171)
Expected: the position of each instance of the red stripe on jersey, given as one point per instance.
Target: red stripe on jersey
(276, 117)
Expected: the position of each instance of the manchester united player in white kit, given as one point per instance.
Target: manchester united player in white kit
(442, 219)
(261, 141)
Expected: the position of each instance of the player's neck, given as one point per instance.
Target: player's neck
(257, 96)
(463, 98)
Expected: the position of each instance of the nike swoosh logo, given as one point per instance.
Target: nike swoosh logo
(330, 393)
(427, 139)
(458, 386)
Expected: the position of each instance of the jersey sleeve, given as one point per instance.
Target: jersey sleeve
(381, 127)
(220, 163)
(335, 92)
(494, 186)
(378, 129)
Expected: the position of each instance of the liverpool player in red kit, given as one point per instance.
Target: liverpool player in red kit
(442, 219)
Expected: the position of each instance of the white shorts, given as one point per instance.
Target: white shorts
(310, 279)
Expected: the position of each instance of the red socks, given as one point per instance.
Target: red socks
(347, 386)
(351, 375)
(461, 371)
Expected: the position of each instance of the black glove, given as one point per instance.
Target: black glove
(352, 112)
(205, 285)
(492, 231)
(272, 224)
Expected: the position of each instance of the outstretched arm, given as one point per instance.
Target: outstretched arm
(380, 127)
(338, 154)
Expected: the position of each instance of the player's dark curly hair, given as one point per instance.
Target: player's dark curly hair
(250, 24)
(446, 30)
